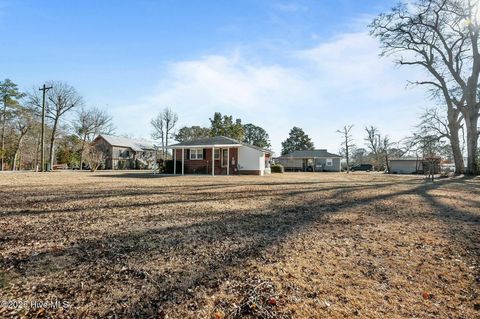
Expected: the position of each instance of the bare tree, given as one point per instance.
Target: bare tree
(171, 119)
(23, 123)
(159, 130)
(440, 36)
(380, 148)
(373, 144)
(347, 143)
(62, 98)
(88, 124)
(385, 145)
(163, 127)
(94, 157)
(437, 124)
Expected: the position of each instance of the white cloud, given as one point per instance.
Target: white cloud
(338, 82)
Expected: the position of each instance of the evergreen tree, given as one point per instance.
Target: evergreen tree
(189, 133)
(255, 135)
(297, 140)
(9, 95)
(226, 126)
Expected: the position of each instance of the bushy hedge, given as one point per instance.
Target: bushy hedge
(277, 168)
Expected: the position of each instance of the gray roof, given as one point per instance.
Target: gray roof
(136, 145)
(310, 154)
(214, 141)
(406, 158)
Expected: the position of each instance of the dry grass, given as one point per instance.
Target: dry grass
(282, 246)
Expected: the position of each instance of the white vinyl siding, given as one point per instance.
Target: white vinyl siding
(196, 153)
(251, 159)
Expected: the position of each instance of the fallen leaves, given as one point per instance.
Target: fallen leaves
(296, 245)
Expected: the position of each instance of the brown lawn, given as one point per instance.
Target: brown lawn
(294, 245)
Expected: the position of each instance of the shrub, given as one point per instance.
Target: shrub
(94, 158)
(169, 167)
(140, 165)
(277, 168)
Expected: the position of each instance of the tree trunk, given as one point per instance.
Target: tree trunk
(81, 158)
(4, 122)
(37, 150)
(166, 143)
(471, 121)
(15, 156)
(163, 148)
(456, 150)
(346, 151)
(52, 153)
(386, 162)
(82, 150)
(52, 144)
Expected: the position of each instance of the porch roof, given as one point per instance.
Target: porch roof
(216, 141)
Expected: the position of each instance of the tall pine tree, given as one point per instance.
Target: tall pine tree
(297, 140)
(226, 126)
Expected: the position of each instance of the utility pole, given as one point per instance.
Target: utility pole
(42, 151)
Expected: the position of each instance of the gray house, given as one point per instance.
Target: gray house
(310, 161)
(125, 153)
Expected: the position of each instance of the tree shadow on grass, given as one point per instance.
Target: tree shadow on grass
(199, 254)
(189, 198)
(207, 248)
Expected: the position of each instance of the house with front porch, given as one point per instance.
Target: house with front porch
(220, 155)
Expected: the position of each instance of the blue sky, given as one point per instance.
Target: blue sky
(276, 64)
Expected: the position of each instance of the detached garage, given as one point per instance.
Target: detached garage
(407, 165)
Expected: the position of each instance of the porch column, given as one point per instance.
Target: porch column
(174, 161)
(213, 161)
(228, 161)
(183, 160)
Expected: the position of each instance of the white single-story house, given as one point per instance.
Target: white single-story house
(310, 161)
(219, 155)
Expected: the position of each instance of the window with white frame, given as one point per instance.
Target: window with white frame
(217, 154)
(329, 162)
(196, 153)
